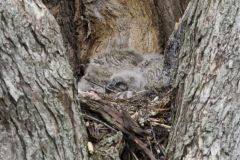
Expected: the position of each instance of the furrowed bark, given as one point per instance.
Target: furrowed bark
(39, 111)
(208, 83)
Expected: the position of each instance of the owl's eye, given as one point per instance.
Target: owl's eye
(121, 86)
(110, 86)
(132, 79)
(116, 86)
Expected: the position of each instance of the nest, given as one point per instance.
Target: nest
(130, 127)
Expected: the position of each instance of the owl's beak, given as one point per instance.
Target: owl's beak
(109, 87)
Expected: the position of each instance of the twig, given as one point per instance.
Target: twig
(150, 145)
(162, 125)
(134, 155)
(163, 150)
(94, 119)
(154, 136)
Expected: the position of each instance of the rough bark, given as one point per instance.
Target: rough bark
(39, 112)
(208, 83)
(64, 12)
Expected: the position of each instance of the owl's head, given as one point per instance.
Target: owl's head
(126, 80)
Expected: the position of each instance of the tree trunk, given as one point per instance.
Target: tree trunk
(39, 111)
(208, 83)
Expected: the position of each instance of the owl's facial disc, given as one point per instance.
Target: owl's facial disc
(116, 85)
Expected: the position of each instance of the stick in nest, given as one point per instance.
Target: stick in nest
(97, 120)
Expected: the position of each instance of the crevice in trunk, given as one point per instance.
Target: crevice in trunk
(64, 12)
(90, 27)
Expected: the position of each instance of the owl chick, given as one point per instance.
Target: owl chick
(104, 65)
(146, 75)
(132, 80)
(121, 70)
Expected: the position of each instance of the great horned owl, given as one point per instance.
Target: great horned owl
(146, 75)
(126, 80)
(103, 65)
(120, 70)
